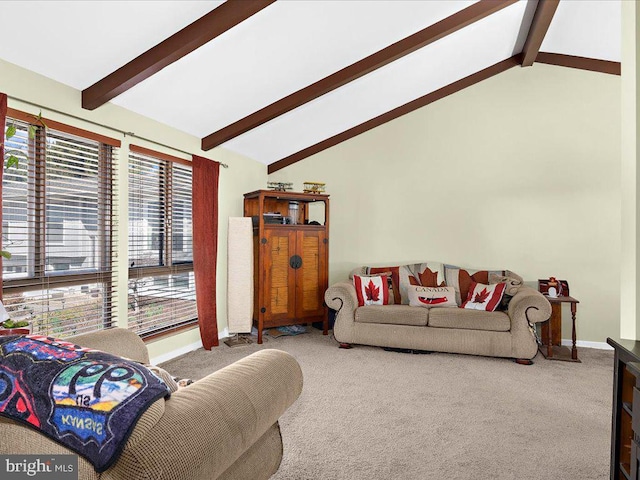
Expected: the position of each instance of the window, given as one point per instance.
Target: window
(57, 224)
(162, 293)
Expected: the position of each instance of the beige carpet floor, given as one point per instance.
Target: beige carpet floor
(370, 414)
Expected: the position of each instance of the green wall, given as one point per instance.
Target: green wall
(521, 172)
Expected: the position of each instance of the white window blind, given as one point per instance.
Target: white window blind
(57, 224)
(161, 282)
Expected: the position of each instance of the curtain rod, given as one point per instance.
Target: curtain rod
(130, 134)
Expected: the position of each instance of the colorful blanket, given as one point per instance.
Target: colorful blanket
(87, 400)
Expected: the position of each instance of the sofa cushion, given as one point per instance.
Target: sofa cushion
(393, 314)
(469, 319)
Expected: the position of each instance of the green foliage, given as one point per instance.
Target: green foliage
(11, 157)
(11, 160)
(14, 324)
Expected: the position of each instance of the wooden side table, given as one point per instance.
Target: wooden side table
(551, 332)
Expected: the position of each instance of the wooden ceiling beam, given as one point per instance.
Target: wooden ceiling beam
(193, 36)
(397, 112)
(582, 63)
(424, 37)
(545, 11)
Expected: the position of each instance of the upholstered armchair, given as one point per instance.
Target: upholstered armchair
(224, 426)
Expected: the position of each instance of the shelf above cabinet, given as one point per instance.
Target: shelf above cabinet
(295, 196)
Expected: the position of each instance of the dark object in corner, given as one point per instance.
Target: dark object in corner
(332, 320)
(406, 350)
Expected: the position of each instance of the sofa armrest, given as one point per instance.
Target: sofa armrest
(116, 341)
(341, 295)
(208, 425)
(530, 305)
(342, 298)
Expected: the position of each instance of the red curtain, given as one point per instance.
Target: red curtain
(205, 245)
(3, 121)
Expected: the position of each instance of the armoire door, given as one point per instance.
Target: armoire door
(279, 277)
(311, 276)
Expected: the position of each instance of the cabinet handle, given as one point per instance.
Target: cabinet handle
(295, 262)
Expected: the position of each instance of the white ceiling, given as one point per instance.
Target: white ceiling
(586, 29)
(454, 57)
(281, 49)
(79, 42)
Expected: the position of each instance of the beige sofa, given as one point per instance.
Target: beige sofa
(497, 334)
(223, 426)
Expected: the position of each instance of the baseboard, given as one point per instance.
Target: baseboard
(165, 357)
(585, 344)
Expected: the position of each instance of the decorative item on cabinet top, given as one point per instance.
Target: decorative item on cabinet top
(313, 187)
(280, 186)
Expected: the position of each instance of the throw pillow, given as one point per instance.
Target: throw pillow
(432, 296)
(427, 274)
(391, 283)
(371, 290)
(394, 280)
(484, 297)
(461, 279)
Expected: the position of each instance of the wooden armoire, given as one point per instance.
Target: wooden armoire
(291, 257)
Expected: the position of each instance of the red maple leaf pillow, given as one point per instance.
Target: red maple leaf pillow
(484, 297)
(372, 290)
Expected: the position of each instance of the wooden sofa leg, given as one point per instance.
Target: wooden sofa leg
(345, 345)
(523, 361)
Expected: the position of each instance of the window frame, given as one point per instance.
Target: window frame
(167, 266)
(38, 277)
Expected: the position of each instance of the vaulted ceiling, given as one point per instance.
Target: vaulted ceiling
(278, 81)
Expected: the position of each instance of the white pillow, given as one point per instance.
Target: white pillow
(431, 296)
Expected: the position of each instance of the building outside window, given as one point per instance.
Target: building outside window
(58, 217)
(161, 288)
